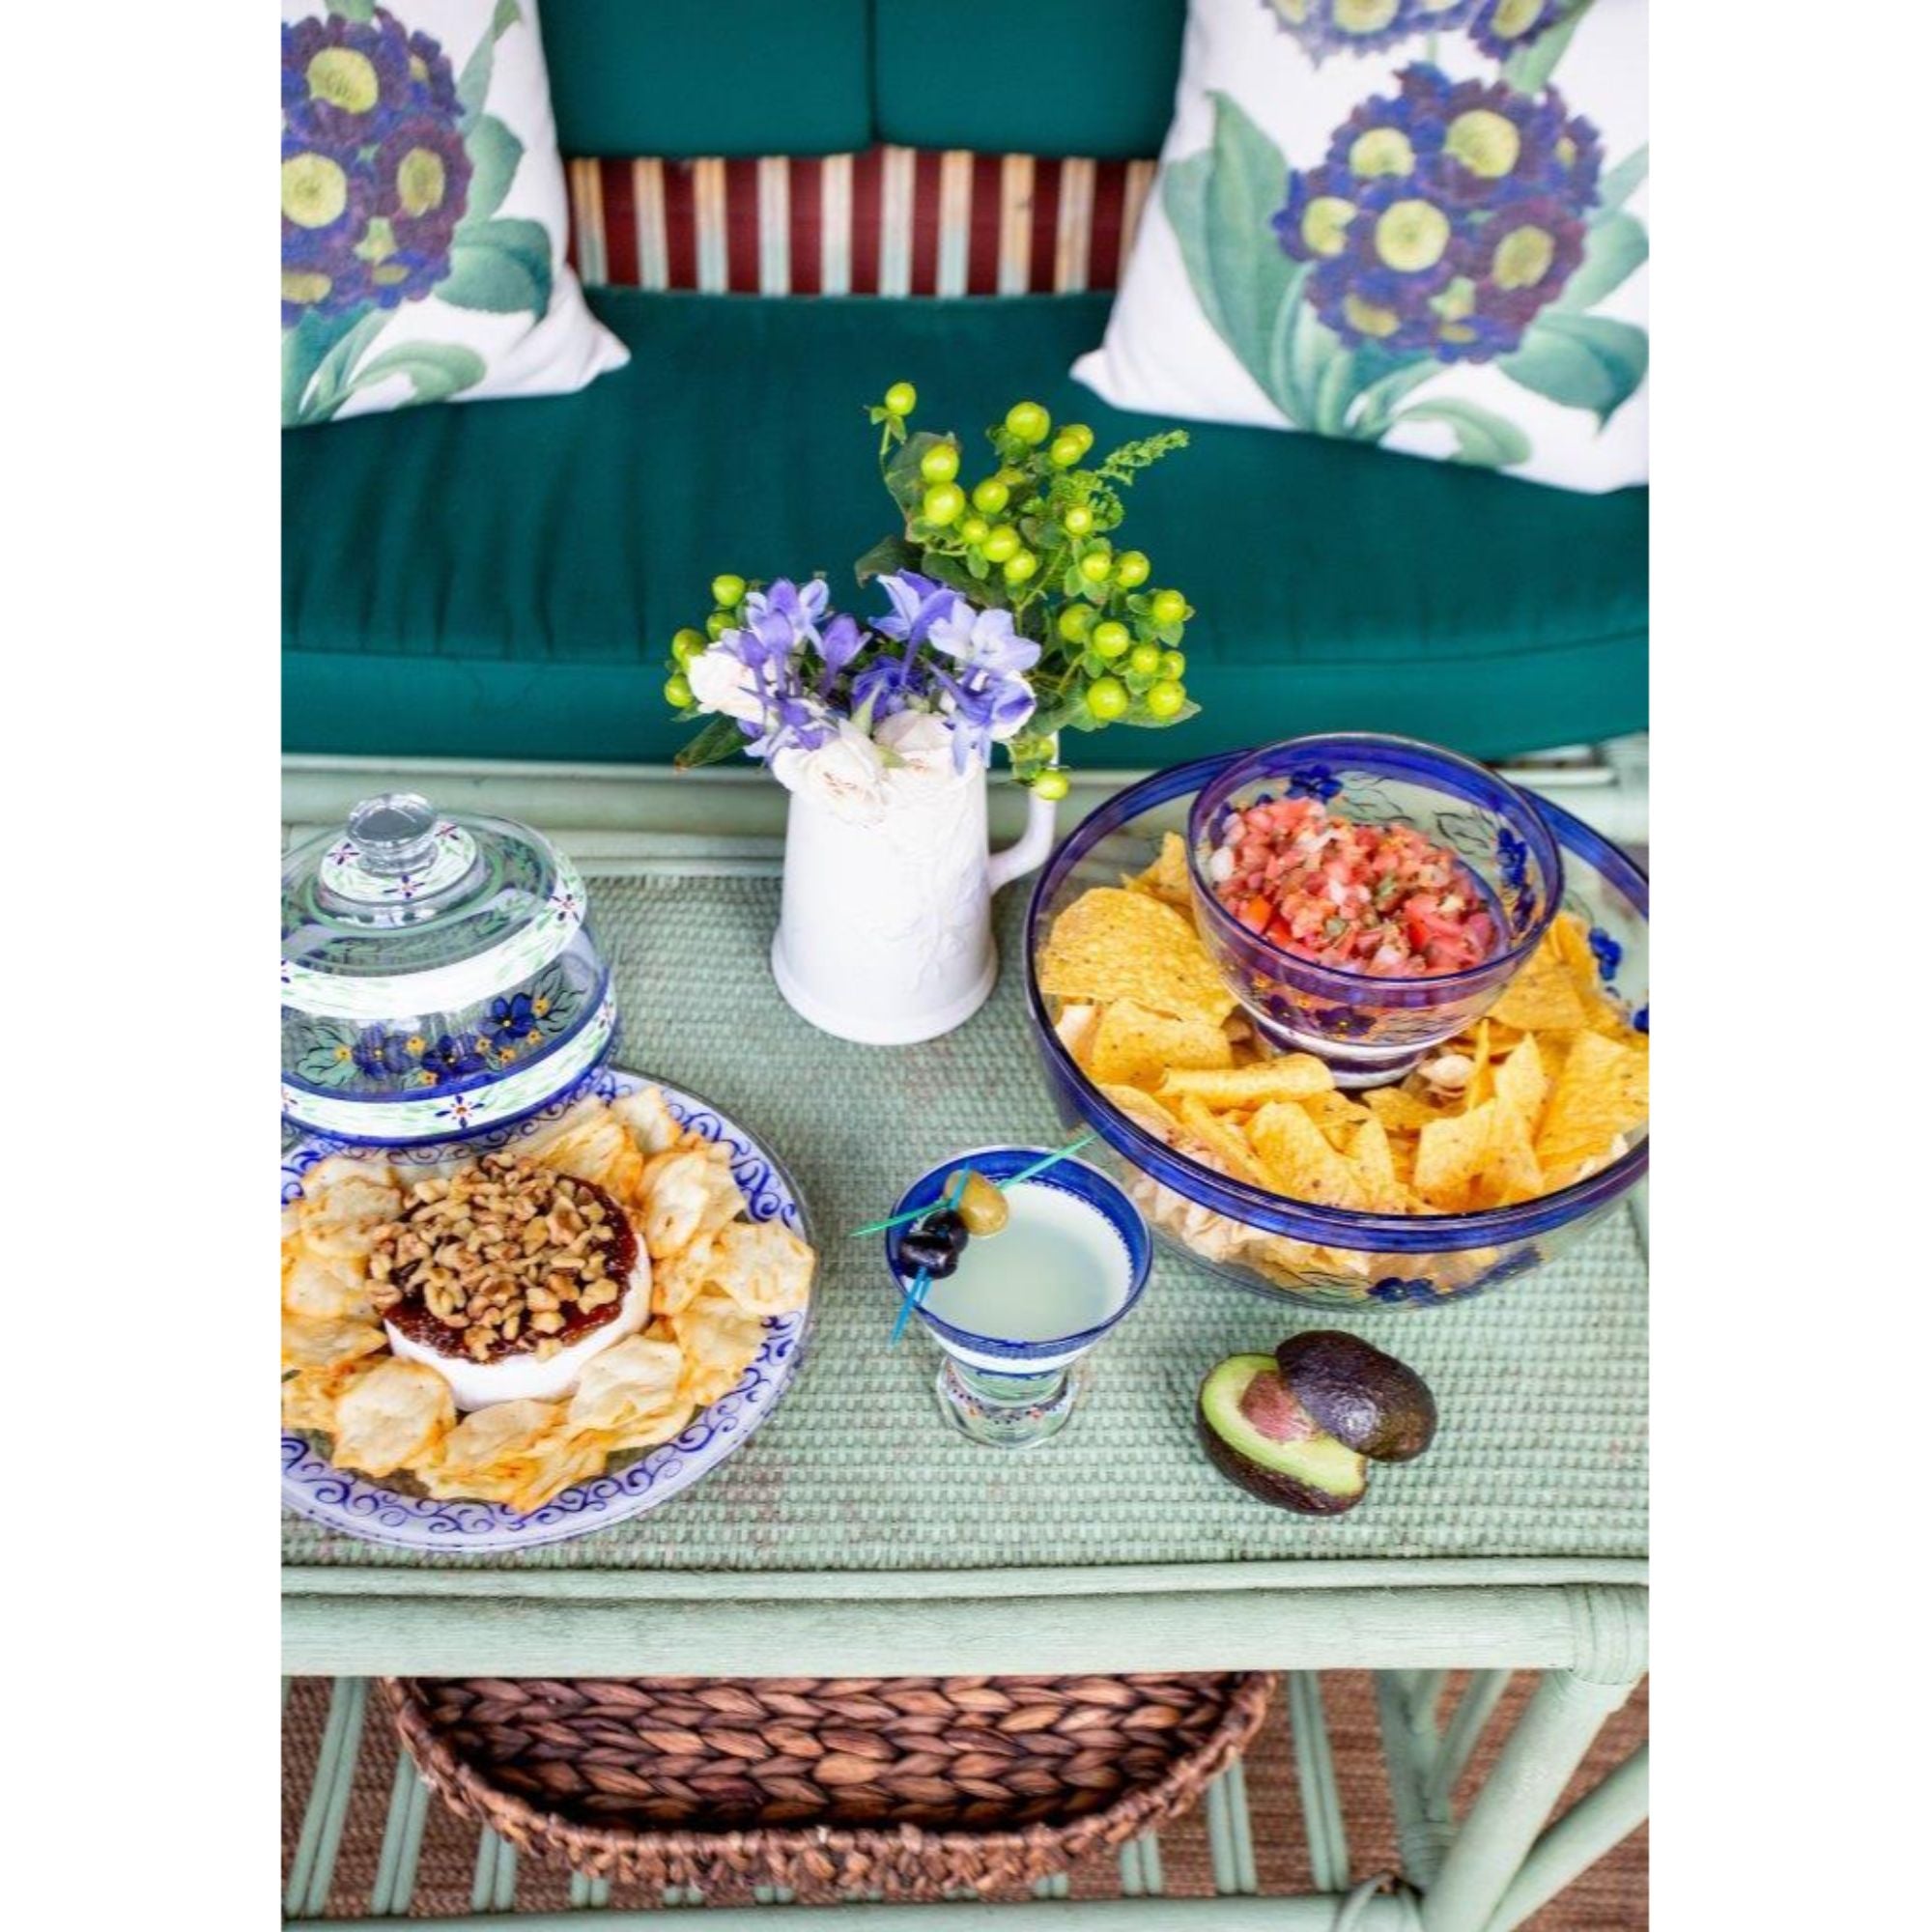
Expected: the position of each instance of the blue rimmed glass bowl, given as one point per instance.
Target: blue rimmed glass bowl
(1372, 1029)
(1329, 1256)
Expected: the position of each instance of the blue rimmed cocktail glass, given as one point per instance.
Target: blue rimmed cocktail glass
(1025, 1304)
(1369, 1027)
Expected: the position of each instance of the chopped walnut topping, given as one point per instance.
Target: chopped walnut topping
(502, 1253)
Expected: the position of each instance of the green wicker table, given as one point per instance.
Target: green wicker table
(854, 1535)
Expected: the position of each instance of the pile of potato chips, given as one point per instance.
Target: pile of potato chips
(1543, 1090)
(714, 1277)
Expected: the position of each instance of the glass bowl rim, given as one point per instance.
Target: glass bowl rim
(1277, 1213)
(1136, 1229)
(1310, 974)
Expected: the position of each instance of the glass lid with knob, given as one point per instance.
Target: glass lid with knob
(438, 976)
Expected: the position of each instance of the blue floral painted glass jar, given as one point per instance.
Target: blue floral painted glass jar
(438, 976)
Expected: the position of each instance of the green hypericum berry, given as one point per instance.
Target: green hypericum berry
(1051, 784)
(1096, 566)
(1107, 698)
(677, 692)
(687, 644)
(1111, 638)
(1168, 607)
(990, 496)
(1130, 569)
(1080, 434)
(973, 530)
(727, 592)
(940, 464)
(943, 504)
(1079, 519)
(1165, 698)
(901, 399)
(1145, 659)
(1065, 451)
(1002, 543)
(717, 624)
(1173, 665)
(1018, 567)
(1075, 622)
(1028, 422)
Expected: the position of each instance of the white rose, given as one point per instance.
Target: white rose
(845, 774)
(923, 742)
(721, 682)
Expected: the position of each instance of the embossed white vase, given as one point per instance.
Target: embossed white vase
(886, 933)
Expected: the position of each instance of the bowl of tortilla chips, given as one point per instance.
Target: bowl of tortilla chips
(1504, 1147)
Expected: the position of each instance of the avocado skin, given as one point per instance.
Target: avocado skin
(1271, 1486)
(1375, 1403)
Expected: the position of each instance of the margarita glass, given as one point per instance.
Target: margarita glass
(1024, 1305)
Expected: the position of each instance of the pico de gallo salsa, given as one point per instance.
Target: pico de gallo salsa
(1377, 899)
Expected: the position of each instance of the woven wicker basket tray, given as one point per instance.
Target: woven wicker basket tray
(910, 1786)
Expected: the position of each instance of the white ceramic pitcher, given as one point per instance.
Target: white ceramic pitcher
(886, 931)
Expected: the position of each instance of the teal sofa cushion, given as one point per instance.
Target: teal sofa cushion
(503, 579)
(710, 76)
(1042, 77)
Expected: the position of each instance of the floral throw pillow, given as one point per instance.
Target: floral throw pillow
(1418, 224)
(423, 212)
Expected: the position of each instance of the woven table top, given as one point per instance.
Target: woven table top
(1540, 1385)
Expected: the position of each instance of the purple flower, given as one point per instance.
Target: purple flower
(918, 604)
(840, 642)
(784, 617)
(985, 640)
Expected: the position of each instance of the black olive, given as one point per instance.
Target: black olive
(950, 1228)
(923, 1252)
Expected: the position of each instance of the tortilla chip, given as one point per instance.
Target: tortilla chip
(1373, 1157)
(1292, 1077)
(1301, 1162)
(1603, 1091)
(1398, 1109)
(1133, 1043)
(1145, 1111)
(1232, 1153)
(1336, 1115)
(1520, 1083)
(1167, 877)
(1112, 944)
(1543, 996)
(1449, 1156)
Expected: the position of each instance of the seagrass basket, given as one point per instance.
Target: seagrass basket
(912, 1787)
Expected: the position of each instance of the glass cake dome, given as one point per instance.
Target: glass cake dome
(438, 976)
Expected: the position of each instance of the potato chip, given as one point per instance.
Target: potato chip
(684, 1194)
(1449, 1154)
(1292, 1077)
(763, 1267)
(719, 1340)
(488, 1454)
(391, 1417)
(324, 1287)
(651, 1124)
(562, 1462)
(344, 1201)
(590, 1143)
(1299, 1161)
(1541, 997)
(1133, 1043)
(630, 1384)
(319, 1345)
(1602, 1091)
(1167, 877)
(310, 1395)
(1112, 944)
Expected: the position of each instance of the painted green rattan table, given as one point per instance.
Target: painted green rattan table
(854, 1534)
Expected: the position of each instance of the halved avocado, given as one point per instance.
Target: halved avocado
(1362, 1396)
(1258, 1434)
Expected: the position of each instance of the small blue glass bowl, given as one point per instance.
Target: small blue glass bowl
(1299, 1250)
(1370, 1029)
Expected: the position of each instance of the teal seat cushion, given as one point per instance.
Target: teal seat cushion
(501, 579)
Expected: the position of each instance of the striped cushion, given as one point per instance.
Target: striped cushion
(889, 221)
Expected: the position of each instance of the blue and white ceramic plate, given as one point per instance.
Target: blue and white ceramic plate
(341, 1500)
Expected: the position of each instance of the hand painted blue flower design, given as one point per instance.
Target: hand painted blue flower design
(1324, 27)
